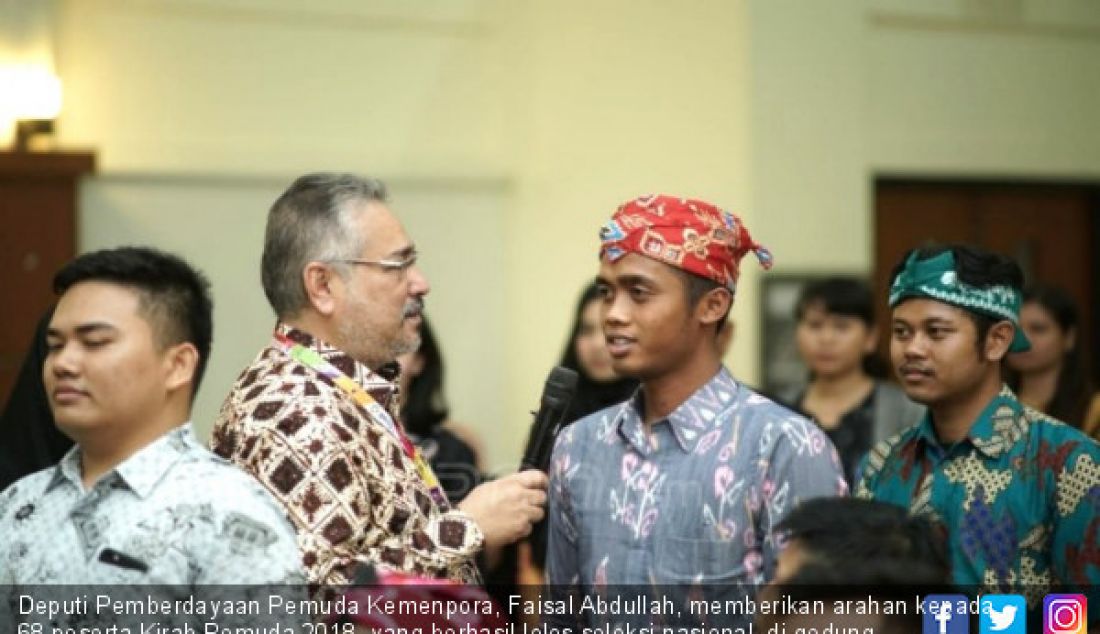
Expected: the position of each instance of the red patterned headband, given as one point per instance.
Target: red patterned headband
(689, 234)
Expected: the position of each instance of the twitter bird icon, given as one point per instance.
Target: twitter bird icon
(1003, 614)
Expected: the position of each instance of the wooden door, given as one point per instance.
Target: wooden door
(38, 194)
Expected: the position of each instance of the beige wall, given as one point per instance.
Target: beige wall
(990, 93)
(511, 129)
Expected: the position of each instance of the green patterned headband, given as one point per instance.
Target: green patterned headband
(935, 278)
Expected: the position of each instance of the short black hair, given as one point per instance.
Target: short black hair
(974, 266)
(844, 530)
(173, 296)
(883, 580)
(849, 296)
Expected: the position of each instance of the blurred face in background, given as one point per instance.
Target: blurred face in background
(591, 346)
(1049, 343)
(832, 344)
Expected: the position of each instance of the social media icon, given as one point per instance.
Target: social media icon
(1065, 614)
(1003, 614)
(945, 614)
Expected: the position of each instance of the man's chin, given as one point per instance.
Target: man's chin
(76, 426)
(626, 368)
(406, 346)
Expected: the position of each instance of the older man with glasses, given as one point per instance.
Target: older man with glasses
(316, 416)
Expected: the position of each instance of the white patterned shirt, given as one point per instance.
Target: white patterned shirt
(172, 513)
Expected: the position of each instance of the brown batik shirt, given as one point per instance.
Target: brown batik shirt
(348, 488)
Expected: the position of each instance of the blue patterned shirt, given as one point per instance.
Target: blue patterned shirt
(172, 513)
(1018, 498)
(694, 502)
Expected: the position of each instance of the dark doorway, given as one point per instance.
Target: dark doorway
(1050, 228)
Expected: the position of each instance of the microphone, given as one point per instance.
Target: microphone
(559, 390)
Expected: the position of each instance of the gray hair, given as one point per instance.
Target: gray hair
(309, 223)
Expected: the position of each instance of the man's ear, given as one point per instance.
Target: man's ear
(319, 280)
(998, 340)
(713, 306)
(180, 361)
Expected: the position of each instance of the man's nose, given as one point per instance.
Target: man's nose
(613, 310)
(62, 361)
(916, 346)
(418, 282)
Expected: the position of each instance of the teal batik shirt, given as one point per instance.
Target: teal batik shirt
(1018, 498)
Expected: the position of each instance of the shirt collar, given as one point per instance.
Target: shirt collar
(690, 421)
(382, 385)
(999, 425)
(140, 472)
(67, 470)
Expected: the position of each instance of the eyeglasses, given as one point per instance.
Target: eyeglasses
(400, 266)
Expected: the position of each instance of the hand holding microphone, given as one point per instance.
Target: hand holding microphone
(505, 508)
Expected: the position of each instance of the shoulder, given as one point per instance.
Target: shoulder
(763, 414)
(597, 423)
(1073, 460)
(770, 429)
(887, 450)
(207, 478)
(25, 489)
(1052, 435)
(271, 375)
(577, 440)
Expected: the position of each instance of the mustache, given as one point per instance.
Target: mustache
(412, 308)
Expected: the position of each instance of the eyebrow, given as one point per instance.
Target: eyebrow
(84, 329)
(403, 252)
(628, 280)
(931, 321)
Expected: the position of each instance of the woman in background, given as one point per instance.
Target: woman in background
(586, 354)
(1051, 377)
(424, 415)
(449, 448)
(846, 394)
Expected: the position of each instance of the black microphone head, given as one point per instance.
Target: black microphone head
(561, 384)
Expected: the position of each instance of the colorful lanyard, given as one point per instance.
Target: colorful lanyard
(314, 361)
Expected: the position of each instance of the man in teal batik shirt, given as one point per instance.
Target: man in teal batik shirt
(1016, 492)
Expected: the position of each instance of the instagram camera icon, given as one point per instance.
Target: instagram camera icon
(1065, 614)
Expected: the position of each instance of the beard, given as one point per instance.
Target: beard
(365, 340)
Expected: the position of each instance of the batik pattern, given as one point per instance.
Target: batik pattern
(350, 490)
(1019, 497)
